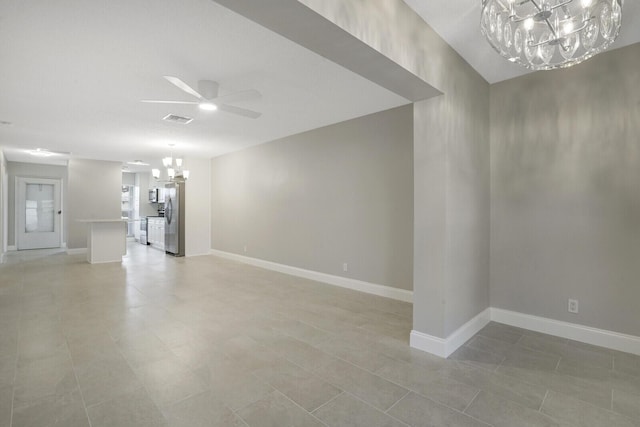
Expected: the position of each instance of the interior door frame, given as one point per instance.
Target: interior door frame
(44, 180)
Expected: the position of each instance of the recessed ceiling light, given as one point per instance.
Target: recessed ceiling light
(138, 163)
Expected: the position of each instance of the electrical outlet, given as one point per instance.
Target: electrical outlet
(345, 267)
(573, 306)
(245, 248)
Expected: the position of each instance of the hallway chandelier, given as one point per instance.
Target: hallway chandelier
(548, 34)
(173, 166)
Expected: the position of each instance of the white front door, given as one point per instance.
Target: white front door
(38, 213)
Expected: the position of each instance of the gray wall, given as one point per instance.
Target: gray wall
(451, 240)
(197, 214)
(451, 161)
(128, 178)
(145, 181)
(565, 192)
(316, 200)
(451, 164)
(4, 226)
(33, 170)
(95, 190)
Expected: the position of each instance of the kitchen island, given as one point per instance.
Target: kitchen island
(106, 240)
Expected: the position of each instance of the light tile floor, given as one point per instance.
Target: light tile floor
(162, 341)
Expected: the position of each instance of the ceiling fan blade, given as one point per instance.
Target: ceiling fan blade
(208, 89)
(243, 95)
(182, 85)
(153, 101)
(239, 111)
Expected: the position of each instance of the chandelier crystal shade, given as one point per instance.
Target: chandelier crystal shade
(548, 34)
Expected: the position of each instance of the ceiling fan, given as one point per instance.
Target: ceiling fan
(208, 98)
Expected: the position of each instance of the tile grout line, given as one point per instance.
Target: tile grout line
(235, 411)
(15, 363)
(542, 352)
(381, 411)
(359, 367)
(504, 358)
(137, 378)
(328, 401)
(307, 412)
(472, 400)
(345, 361)
(75, 375)
(612, 390)
(446, 406)
(396, 384)
(352, 364)
(13, 396)
(519, 339)
(397, 401)
(543, 400)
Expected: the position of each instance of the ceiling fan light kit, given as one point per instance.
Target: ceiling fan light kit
(207, 106)
(208, 98)
(550, 34)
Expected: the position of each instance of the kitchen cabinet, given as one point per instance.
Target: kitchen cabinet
(155, 232)
(156, 195)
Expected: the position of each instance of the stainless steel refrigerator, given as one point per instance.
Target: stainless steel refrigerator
(174, 218)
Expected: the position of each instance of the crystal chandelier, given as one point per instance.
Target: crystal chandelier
(548, 34)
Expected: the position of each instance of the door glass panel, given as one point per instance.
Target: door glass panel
(39, 208)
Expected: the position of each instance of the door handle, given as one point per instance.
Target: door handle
(59, 212)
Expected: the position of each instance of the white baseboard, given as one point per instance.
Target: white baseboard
(444, 347)
(12, 248)
(573, 331)
(429, 343)
(343, 282)
(198, 254)
(77, 251)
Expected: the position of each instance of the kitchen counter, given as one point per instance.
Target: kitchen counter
(106, 239)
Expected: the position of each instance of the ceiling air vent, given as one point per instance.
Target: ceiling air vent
(178, 119)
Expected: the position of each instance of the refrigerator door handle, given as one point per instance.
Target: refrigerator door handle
(169, 211)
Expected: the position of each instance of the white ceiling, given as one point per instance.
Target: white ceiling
(74, 71)
(458, 23)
